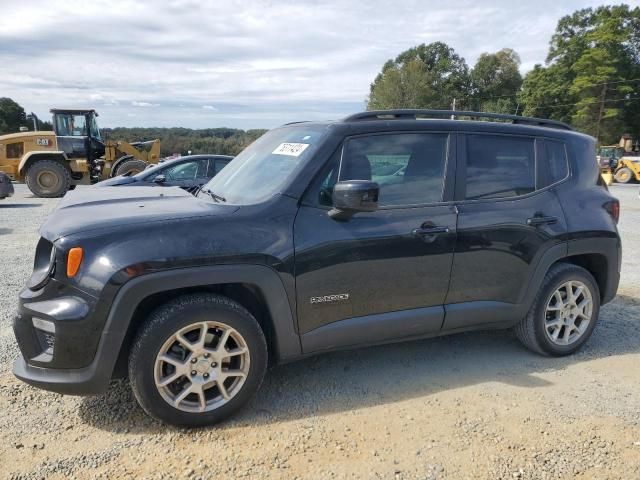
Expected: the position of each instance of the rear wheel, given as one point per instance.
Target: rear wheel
(130, 167)
(48, 178)
(564, 312)
(624, 175)
(197, 360)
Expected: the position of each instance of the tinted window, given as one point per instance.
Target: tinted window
(220, 164)
(558, 168)
(499, 166)
(408, 167)
(187, 171)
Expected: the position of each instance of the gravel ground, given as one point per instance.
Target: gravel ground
(472, 405)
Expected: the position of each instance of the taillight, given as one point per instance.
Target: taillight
(613, 208)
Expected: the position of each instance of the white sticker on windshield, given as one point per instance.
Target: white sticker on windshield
(291, 149)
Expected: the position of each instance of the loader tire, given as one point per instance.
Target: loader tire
(130, 167)
(624, 175)
(48, 179)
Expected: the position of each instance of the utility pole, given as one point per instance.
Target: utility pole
(453, 107)
(603, 97)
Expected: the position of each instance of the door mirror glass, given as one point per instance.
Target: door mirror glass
(160, 179)
(353, 196)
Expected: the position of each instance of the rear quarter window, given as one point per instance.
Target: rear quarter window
(556, 163)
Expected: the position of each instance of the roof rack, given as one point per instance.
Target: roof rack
(405, 114)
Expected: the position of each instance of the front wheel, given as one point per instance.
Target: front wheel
(197, 359)
(564, 313)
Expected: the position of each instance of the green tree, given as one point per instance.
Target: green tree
(496, 81)
(426, 76)
(12, 116)
(591, 74)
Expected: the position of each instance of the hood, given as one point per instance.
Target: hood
(119, 180)
(88, 208)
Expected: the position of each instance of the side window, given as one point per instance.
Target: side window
(220, 164)
(186, 171)
(557, 165)
(499, 166)
(408, 167)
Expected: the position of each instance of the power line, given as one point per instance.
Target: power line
(586, 86)
(633, 99)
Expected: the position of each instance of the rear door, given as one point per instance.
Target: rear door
(508, 217)
(380, 275)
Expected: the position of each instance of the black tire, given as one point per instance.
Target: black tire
(48, 178)
(173, 316)
(132, 167)
(531, 330)
(624, 175)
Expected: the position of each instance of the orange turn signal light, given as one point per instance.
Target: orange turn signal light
(74, 259)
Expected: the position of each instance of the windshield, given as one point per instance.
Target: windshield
(265, 166)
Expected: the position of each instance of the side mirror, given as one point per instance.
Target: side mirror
(159, 179)
(353, 196)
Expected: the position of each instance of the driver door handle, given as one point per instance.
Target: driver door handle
(428, 231)
(541, 220)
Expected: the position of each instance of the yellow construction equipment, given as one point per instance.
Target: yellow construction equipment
(73, 154)
(620, 162)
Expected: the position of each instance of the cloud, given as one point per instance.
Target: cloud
(210, 107)
(260, 63)
(144, 104)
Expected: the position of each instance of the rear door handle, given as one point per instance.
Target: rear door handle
(541, 220)
(427, 231)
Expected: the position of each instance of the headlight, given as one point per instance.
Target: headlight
(43, 266)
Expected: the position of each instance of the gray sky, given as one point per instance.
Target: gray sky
(246, 63)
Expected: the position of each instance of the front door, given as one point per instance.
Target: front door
(381, 275)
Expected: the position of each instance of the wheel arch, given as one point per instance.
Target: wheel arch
(599, 256)
(258, 288)
(31, 157)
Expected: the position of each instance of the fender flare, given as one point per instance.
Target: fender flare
(606, 246)
(27, 157)
(286, 339)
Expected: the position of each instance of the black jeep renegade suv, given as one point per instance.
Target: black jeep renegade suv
(382, 227)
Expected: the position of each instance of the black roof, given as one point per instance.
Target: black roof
(74, 111)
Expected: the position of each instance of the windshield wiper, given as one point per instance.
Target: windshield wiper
(215, 196)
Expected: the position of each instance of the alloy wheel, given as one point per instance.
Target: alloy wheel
(202, 366)
(568, 313)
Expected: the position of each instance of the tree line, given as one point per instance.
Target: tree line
(590, 79)
(222, 141)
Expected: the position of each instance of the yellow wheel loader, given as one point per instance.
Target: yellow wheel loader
(620, 162)
(50, 163)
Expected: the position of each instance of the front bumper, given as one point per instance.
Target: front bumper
(63, 349)
(82, 381)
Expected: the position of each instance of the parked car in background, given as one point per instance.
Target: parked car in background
(189, 173)
(6, 187)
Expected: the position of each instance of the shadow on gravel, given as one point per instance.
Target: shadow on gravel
(20, 205)
(5, 231)
(349, 380)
